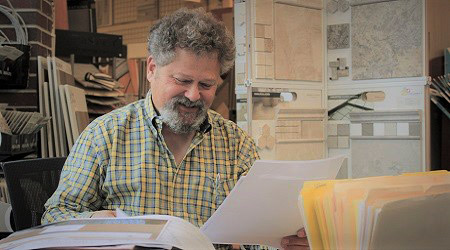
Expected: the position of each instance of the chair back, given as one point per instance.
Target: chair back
(30, 183)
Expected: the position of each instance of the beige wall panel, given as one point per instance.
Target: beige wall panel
(298, 43)
(263, 11)
(312, 129)
(299, 151)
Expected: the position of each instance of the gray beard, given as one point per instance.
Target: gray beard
(183, 123)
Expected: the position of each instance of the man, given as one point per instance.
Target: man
(166, 154)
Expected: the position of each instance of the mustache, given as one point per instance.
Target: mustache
(188, 103)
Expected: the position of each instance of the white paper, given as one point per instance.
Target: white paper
(263, 208)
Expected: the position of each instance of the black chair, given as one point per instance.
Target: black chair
(30, 183)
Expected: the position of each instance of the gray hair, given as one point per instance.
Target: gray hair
(194, 30)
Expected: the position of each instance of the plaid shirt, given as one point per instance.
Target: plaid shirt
(121, 161)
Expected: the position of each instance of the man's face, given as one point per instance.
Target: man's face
(183, 90)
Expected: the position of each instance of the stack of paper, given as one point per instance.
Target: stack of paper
(410, 211)
(102, 91)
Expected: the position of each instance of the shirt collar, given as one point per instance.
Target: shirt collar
(155, 119)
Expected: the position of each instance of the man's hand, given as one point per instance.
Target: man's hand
(295, 242)
(103, 214)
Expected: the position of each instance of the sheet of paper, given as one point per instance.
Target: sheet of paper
(263, 207)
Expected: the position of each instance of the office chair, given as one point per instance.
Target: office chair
(30, 183)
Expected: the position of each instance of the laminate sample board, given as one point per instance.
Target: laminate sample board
(387, 40)
(298, 43)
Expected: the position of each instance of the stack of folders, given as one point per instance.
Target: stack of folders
(410, 211)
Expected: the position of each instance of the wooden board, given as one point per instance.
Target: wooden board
(298, 43)
(62, 75)
(49, 127)
(78, 111)
(67, 122)
(42, 74)
(53, 109)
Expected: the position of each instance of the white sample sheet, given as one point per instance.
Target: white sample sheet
(263, 207)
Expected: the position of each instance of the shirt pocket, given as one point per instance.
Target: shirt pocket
(219, 189)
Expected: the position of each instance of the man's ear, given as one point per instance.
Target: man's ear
(151, 68)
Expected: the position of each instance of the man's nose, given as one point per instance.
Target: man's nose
(192, 92)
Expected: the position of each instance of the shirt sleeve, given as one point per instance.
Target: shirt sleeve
(78, 192)
(248, 153)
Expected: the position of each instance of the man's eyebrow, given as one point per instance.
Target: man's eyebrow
(188, 77)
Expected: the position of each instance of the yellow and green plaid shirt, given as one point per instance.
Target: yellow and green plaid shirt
(121, 161)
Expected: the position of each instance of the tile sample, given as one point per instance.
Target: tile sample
(332, 142)
(298, 43)
(378, 129)
(268, 32)
(332, 6)
(343, 5)
(312, 130)
(260, 30)
(385, 157)
(367, 129)
(269, 71)
(338, 68)
(402, 128)
(332, 129)
(414, 129)
(338, 36)
(260, 58)
(263, 11)
(260, 44)
(355, 129)
(295, 152)
(390, 129)
(387, 40)
(343, 142)
(343, 129)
